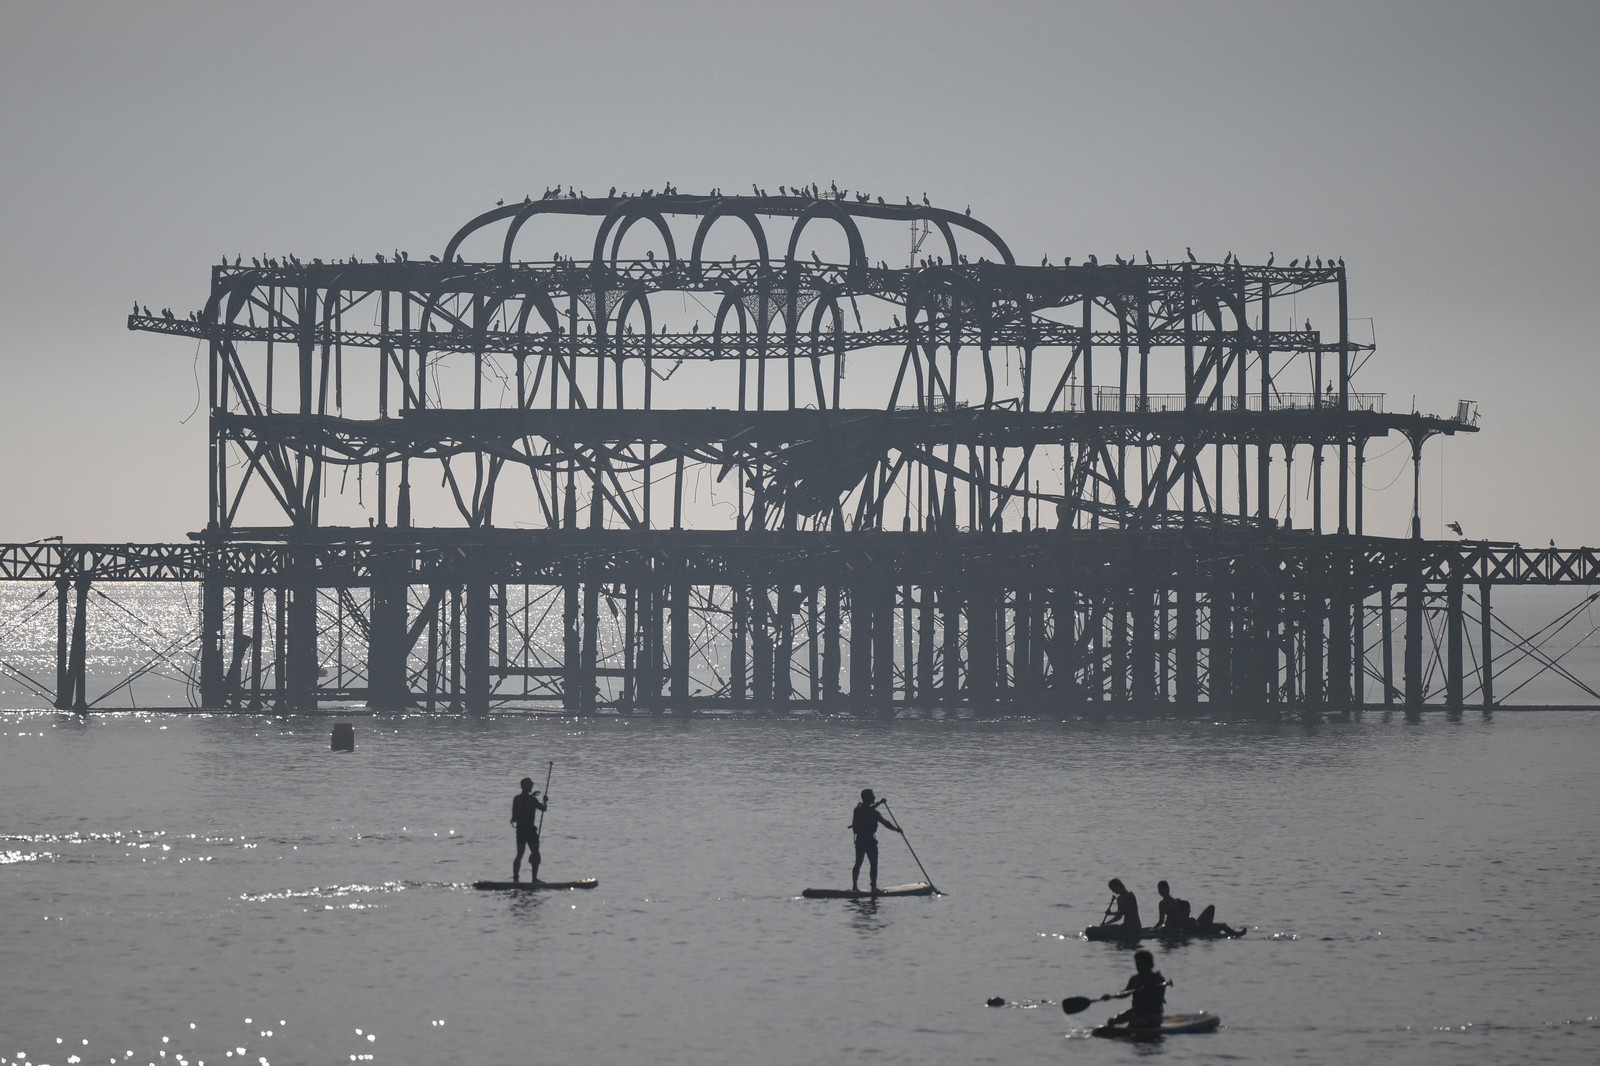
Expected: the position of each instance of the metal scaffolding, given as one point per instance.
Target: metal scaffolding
(722, 457)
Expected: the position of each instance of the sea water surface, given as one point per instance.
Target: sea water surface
(185, 888)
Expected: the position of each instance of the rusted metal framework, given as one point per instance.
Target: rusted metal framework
(722, 456)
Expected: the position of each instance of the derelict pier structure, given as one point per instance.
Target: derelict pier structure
(665, 453)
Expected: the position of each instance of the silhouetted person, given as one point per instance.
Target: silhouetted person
(1124, 907)
(525, 808)
(864, 824)
(1173, 913)
(1149, 991)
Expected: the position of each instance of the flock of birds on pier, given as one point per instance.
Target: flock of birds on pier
(806, 191)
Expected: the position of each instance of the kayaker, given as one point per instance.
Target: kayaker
(1149, 991)
(1124, 908)
(1173, 914)
(864, 822)
(525, 808)
(1207, 923)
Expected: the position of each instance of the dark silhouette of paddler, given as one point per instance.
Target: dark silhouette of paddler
(864, 824)
(1148, 990)
(525, 808)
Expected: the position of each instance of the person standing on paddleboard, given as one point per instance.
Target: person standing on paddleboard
(864, 824)
(1149, 991)
(525, 808)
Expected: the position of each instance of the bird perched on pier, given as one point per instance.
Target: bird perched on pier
(1147, 260)
(147, 311)
(1270, 257)
(1190, 252)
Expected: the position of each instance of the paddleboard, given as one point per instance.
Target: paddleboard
(1200, 1021)
(533, 886)
(921, 888)
(1119, 934)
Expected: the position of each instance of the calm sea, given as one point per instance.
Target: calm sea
(180, 888)
(183, 888)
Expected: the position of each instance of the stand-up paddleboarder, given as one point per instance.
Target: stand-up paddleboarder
(864, 824)
(525, 808)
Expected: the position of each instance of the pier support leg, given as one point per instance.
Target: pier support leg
(1487, 637)
(213, 686)
(680, 645)
(300, 641)
(476, 658)
(386, 650)
(1453, 647)
(1413, 650)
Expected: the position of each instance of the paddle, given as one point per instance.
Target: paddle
(909, 848)
(1075, 1004)
(547, 772)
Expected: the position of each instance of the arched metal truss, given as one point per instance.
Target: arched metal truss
(745, 463)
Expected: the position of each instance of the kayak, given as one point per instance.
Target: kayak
(921, 888)
(1119, 934)
(1200, 1021)
(533, 886)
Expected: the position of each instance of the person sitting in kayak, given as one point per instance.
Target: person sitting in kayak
(1124, 907)
(864, 822)
(525, 808)
(1149, 991)
(1173, 916)
(1207, 923)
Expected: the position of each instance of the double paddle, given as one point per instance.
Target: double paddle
(1074, 1004)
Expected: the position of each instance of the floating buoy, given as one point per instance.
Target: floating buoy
(344, 736)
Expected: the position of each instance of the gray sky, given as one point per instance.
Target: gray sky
(1447, 151)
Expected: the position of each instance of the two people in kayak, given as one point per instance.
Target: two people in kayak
(1174, 914)
(525, 808)
(864, 822)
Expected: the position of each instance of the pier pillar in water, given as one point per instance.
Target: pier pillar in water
(300, 635)
(386, 646)
(476, 657)
(1413, 650)
(1453, 639)
(213, 683)
(72, 654)
(1486, 635)
(344, 737)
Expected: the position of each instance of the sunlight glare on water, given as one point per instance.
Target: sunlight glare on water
(1410, 888)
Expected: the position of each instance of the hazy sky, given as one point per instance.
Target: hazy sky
(1448, 151)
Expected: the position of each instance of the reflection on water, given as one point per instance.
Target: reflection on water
(1408, 888)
